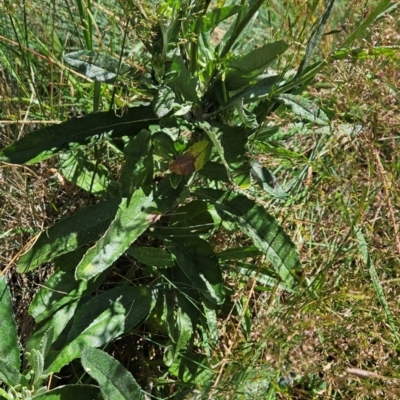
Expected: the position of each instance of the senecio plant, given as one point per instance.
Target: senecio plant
(185, 171)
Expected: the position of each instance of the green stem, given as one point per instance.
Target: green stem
(96, 96)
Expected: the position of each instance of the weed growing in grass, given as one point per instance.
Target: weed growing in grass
(175, 261)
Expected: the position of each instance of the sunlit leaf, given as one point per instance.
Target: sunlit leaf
(265, 231)
(69, 234)
(115, 381)
(217, 15)
(130, 221)
(9, 348)
(102, 319)
(44, 143)
(62, 287)
(96, 65)
(152, 256)
(88, 175)
(192, 160)
(304, 108)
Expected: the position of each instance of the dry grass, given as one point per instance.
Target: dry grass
(338, 332)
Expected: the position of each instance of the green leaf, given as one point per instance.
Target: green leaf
(214, 17)
(138, 168)
(256, 61)
(193, 368)
(363, 247)
(167, 195)
(57, 322)
(163, 102)
(96, 65)
(239, 253)
(152, 256)
(9, 348)
(230, 143)
(315, 37)
(180, 331)
(131, 220)
(362, 54)
(267, 181)
(182, 82)
(87, 175)
(44, 143)
(195, 216)
(8, 373)
(115, 381)
(252, 93)
(102, 319)
(266, 277)
(186, 294)
(304, 108)
(163, 146)
(214, 171)
(62, 287)
(197, 260)
(46, 342)
(71, 392)
(276, 149)
(82, 227)
(212, 325)
(5, 395)
(265, 231)
(36, 362)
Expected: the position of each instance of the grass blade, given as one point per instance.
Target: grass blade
(375, 281)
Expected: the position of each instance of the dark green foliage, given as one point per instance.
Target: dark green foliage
(186, 166)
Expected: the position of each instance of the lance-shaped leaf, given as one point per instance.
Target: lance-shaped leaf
(230, 143)
(115, 381)
(131, 220)
(152, 256)
(316, 37)
(244, 69)
(9, 348)
(180, 330)
(57, 323)
(138, 168)
(44, 143)
(9, 374)
(199, 263)
(62, 287)
(253, 93)
(75, 392)
(100, 66)
(68, 235)
(181, 80)
(88, 175)
(304, 108)
(102, 319)
(214, 17)
(265, 231)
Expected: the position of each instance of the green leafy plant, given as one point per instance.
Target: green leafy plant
(186, 166)
(114, 381)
